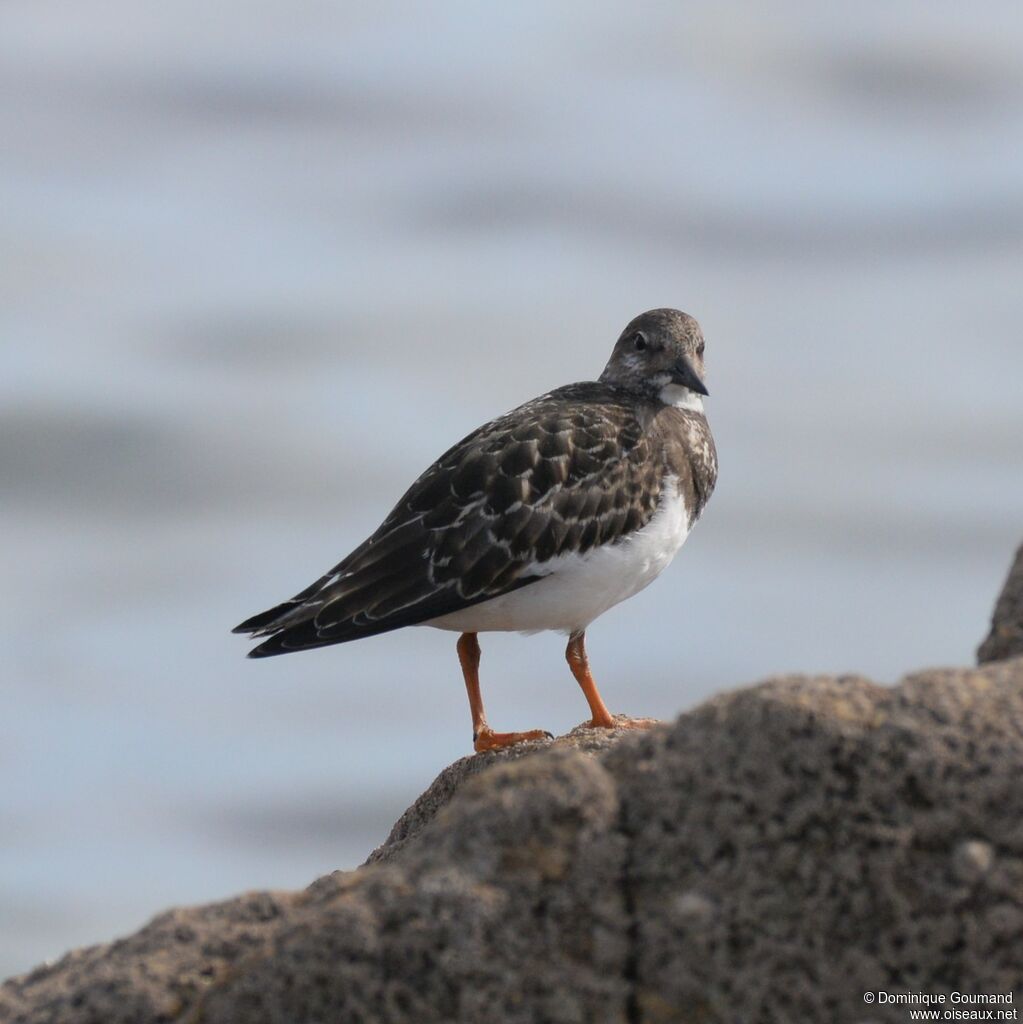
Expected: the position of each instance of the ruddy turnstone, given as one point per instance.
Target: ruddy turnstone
(543, 518)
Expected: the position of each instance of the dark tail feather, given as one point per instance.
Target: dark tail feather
(268, 648)
(263, 620)
(304, 636)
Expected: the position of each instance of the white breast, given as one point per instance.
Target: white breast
(578, 588)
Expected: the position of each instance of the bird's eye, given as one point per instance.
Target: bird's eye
(639, 341)
(699, 350)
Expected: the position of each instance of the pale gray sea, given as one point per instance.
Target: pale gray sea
(260, 264)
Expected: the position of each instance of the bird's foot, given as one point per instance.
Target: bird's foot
(487, 739)
(622, 722)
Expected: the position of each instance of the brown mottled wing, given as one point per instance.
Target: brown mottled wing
(566, 472)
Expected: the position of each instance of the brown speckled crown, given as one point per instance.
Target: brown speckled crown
(579, 467)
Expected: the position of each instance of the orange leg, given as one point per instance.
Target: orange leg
(483, 737)
(602, 718)
(575, 654)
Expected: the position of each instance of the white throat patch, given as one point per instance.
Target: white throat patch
(681, 397)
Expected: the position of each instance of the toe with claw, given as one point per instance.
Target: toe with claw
(487, 739)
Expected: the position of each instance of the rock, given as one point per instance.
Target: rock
(774, 855)
(770, 856)
(1006, 637)
(451, 779)
(820, 817)
(155, 975)
(972, 860)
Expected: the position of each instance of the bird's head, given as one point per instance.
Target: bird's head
(660, 356)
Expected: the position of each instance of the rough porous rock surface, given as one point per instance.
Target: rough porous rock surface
(770, 856)
(1006, 637)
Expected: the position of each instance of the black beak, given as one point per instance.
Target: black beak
(684, 374)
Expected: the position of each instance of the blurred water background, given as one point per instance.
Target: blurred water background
(260, 264)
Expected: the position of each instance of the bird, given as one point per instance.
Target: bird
(541, 519)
